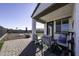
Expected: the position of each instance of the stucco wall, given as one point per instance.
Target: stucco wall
(2, 31)
(76, 28)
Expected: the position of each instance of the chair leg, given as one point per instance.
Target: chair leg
(42, 50)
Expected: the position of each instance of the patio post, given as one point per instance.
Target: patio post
(33, 28)
(54, 27)
(76, 27)
(45, 29)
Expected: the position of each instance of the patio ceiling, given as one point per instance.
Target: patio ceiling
(60, 13)
(44, 15)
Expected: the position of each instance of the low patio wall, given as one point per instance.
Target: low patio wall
(4, 37)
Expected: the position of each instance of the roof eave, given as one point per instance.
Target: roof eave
(35, 9)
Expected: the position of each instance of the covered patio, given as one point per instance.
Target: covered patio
(60, 26)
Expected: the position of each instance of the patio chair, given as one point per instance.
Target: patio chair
(71, 43)
(38, 43)
(63, 42)
(57, 47)
(46, 40)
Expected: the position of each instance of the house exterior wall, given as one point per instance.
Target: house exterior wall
(2, 31)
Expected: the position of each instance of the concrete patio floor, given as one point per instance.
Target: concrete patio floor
(14, 47)
(22, 47)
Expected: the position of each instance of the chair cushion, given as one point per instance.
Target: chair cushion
(62, 39)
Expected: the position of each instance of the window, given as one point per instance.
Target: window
(65, 25)
(62, 25)
(58, 26)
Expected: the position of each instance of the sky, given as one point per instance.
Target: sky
(17, 15)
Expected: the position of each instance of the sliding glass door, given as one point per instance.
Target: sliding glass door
(50, 28)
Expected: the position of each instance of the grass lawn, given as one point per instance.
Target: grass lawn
(1, 44)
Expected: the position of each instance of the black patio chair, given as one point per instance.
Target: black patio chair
(38, 43)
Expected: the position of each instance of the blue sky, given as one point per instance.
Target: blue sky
(17, 15)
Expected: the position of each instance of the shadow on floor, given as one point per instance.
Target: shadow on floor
(30, 50)
(49, 53)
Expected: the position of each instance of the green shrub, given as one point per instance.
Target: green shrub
(1, 44)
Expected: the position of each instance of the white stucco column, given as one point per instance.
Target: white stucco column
(33, 28)
(45, 29)
(76, 27)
